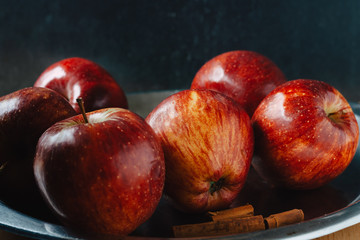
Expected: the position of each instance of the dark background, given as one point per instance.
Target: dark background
(156, 45)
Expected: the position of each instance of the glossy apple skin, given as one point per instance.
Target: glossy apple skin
(104, 177)
(24, 116)
(208, 145)
(78, 77)
(297, 144)
(245, 76)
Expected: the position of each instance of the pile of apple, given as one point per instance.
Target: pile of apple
(303, 132)
(104, 172)
(100, 173)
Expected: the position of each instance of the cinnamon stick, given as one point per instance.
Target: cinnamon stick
(221, 227)
(284, 218)
(242, 211)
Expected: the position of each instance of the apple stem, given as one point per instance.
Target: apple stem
(82, 108)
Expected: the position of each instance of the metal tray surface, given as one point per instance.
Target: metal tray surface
(327, 209)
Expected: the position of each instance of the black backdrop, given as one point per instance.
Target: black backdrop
(156, 45)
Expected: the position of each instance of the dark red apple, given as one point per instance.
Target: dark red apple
(78, 77)
(24, 116)
(208, 145)
(245, 76)
(306, 134)
(104, 176)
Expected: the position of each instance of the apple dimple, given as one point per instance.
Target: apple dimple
(216, 185)
(337, 116)
(102, 116)
(337, 113)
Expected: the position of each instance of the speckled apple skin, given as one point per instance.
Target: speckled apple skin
(24, 115)
(206, 137)
(297, 145)
(102, 178)
(78, 77)
(245, 76)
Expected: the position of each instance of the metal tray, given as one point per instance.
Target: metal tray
(328, 209)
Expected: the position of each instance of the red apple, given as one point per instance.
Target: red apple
(306, 134)
(104, 176)
(78, 77)
(24, 116)
(208, 145)
(245, 76)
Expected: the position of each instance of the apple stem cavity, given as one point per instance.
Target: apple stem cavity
(80, 102)
(333, 116)
(216, 186)
(336, 116)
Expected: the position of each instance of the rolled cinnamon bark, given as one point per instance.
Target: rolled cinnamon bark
(221, 227)
(284, 218)
(242, 211)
